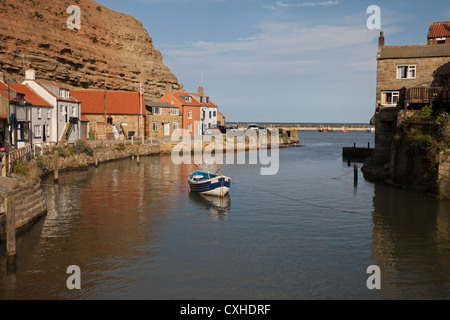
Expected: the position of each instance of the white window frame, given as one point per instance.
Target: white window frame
(175, 126)
(47, 127)
(190, 114)
(37, 131)
(189, 128)
(156, 111)
(384, 95)
(39, 113)
(411, 71)
(155, 126)
(174, 111)
(48, 114)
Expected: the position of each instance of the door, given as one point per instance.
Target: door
(44, 133)
(166, 129)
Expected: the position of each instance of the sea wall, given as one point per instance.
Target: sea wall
(28, 200)
(397, 162)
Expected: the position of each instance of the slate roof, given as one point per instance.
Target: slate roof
(422, 51)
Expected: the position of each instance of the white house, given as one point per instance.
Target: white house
(65, 114)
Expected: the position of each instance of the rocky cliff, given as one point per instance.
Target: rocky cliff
(108, 47)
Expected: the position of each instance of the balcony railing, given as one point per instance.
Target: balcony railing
(426, 95)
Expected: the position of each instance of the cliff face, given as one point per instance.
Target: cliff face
(109, 47)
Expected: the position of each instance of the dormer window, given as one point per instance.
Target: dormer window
(64, 94)
(207, 100)
(188, 99)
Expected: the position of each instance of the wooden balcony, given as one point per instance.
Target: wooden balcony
(426, 95)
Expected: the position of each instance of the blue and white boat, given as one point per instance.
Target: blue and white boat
(209, 183)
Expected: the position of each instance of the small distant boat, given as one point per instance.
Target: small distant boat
(209, 183)
(343, 129)
(371, 130)
(322, 129)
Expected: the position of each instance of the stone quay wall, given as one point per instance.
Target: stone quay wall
(28, 199)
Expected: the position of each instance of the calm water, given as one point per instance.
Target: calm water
(307, 233)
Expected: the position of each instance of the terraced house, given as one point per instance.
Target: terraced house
(198, 111)
(162, 119)
(65, 115)
(408, 78)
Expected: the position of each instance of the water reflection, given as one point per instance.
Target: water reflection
(216, 207)
(411, 242)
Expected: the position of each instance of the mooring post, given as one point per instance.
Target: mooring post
(10, 234)
(355, 174)
(56, 164)
(137, 156)
(96, 161)
(368, 145)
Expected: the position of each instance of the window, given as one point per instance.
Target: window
(190, 114)
(175, 126)
(109, 120)
(37, 131)
(440, 40)
(48, 113)
(207, 100)
(187, 99)
(210, 114)
(39, 113)
(406, 72)
(173, 102)
(214, 114)
(189, 127)
(174, 111)
(47, 128)
(204, 114)
(201, 99)
(156, 110)
(74, 113)
(155, 126)
(22, 131)
(389, 97)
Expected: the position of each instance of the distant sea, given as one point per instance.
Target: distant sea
(302, 123)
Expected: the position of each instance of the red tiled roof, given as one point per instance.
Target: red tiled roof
(84, 118)
(117, 102)
(194, 102)
(439, 29)
(30, 95)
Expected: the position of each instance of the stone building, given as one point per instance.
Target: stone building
(104, 109)
(408, 78)
(162, 119)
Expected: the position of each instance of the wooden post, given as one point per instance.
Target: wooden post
(96, 161)
(10, 234)
(137, 156)
(56, 168)
(355, 174)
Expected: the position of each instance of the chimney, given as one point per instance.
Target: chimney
(30, 74)
(200, 91)
(381, 40)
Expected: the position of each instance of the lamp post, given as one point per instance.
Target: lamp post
(9, 108)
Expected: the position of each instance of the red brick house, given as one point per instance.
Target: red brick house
(439, 33)
(198, 112)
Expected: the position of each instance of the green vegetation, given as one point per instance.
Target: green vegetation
(425, 134)
(82, 147)
(99, 9)
(21, 169)
(37, 14)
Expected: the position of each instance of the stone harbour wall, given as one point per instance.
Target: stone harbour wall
(28, 199)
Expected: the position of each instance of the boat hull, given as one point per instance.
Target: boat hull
(218, 186)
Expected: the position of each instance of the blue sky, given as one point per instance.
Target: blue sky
(281, 61)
